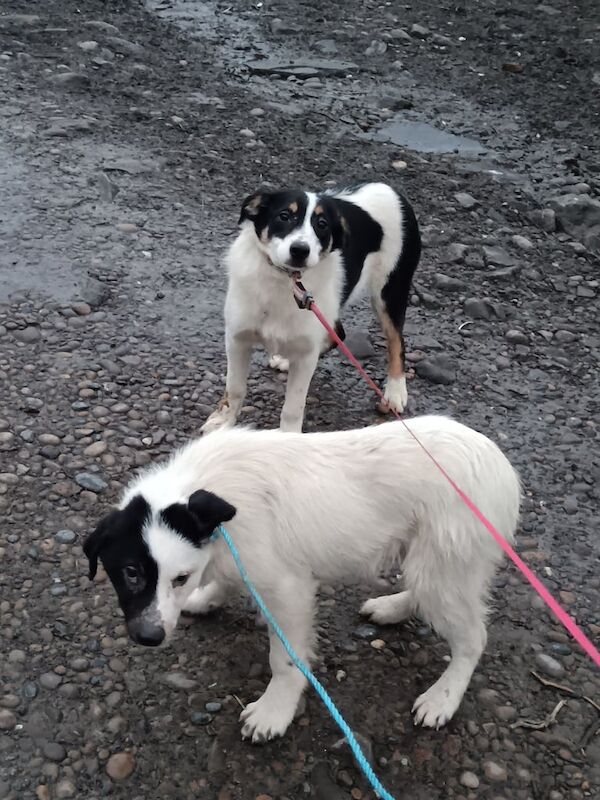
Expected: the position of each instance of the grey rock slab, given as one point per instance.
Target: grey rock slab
(91, 482)
(304, 68)
(437, 369)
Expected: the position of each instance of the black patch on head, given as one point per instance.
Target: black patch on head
(119, 543)
(279, 213)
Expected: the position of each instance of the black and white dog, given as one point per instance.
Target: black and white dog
(308, 508)
(341, 243)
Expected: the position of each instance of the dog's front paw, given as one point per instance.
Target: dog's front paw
(435, 707)
(265, 720)
(395, 398)
(202, 601)
(279, 363)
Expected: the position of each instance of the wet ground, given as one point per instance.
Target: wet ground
(129, 135)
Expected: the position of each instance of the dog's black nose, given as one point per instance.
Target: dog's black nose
(299, 251)
(146, 633)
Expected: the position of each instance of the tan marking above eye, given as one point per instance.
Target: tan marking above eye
(293, 207)
(319, 210)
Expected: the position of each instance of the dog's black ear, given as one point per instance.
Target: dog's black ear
(252, 206)
(209, 510)
(95, 542)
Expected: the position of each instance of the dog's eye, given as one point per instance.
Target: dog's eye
(180, 580)
(322, 223)
(284, 216)
(131, 574)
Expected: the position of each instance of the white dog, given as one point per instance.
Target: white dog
(341, 242)
(308, 508)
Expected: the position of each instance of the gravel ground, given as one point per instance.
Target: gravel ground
(129, 134)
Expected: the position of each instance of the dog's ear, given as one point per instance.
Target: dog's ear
(252, 206)
(209, 510)
(94, 543)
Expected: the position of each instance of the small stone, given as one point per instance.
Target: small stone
(65, 536)
(360, 344)
(516, 337)
(437, 369)
(494, 772)
(497, 256)
(456, 252)
(124, 46)
(565, 337)
(88, 46)
(127, 227)
(571, 504)
(82, 309)
(469, 779)
(120, 766)
(213, 707)
(466, 200)
(200, 718)
(420, 32)
(179, 681)
(50, 680)
(378, 644)
(54, 751)
(365, 632)
(71, 80)
(550, 666)
(92, 483)
(95, 449)
(65, 788)
(522, 242)
(7, 720)
(42, 792)
(560, 648)
(399, 165)
(28, 335)
(478, 309)
(506, 713)
(447, 283)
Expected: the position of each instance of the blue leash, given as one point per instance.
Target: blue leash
(318, 687)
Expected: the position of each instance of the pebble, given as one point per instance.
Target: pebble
(200, 718)
(120, 766)
(522, 242)
(65, 788)
(7, 720)
(378, 644)
(95, 449)
(28, 335)
(420, 31)
(71, 80)
(93, 483)
(179, 681)
(550, 666)
(54, 751)
(466, 200)
(497, 256)
(65, 536)
(50, 680)
(365, 632)
(516, 337)
(494, 772)
(469, 779)
(213, 707)
(88, 46)
(437, 369)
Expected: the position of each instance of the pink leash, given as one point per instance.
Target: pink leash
(304, 300)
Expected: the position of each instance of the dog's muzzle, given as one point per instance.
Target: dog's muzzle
(145, 632)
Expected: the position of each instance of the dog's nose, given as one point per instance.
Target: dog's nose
(146, 633)
(299, 251)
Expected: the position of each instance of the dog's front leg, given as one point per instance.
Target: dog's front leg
(292, 607)
(300, 373)
(239, 351)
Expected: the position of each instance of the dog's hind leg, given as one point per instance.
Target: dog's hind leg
(449, 593)
(389, 609)
(291, 602)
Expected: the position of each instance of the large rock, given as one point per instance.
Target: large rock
(579, 216)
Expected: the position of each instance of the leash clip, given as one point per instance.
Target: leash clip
(302, 296)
